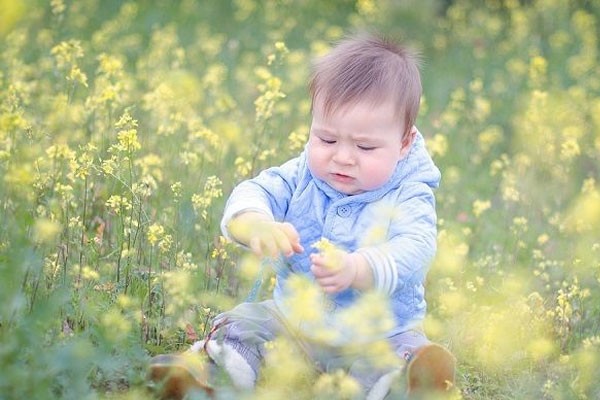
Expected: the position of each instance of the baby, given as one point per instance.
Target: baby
(364, 183)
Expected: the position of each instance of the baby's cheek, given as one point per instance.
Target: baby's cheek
(377, 176)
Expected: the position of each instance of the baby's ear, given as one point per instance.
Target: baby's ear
(407, 141)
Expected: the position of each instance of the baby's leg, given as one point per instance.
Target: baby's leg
(236, 342)
(377, 382)
(407, 343)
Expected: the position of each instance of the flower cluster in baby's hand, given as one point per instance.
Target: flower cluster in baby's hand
(334, 269)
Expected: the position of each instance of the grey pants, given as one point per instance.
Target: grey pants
(249, 326)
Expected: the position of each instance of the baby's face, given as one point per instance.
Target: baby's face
(356, 148)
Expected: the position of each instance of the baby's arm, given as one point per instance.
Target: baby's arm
(411, 244)
(263, 235)
(386, 266)
(254, 207)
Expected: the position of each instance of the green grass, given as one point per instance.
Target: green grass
(124, 125)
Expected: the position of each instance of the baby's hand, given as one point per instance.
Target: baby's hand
(334, 269)
(265, 237)
(273, 238)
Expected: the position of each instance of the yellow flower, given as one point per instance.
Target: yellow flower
(569, 149)
(58, 6)
(212, 190)
(244, 9)
(266, 154)
(215, 75)
(489, 137)
(155, 233)
(270, 89)
(481, 108)
(110, 65)
(46, 230)
(243, 167)
(366, 8)
(438, 145)
(281, 47)
(207, 135)
(543, 239)
(118, 204)
(145, 187)
(337, 385)
(305, 300)
(109, 166)
(67, 53)
(479, 206)
(537, 70)
(80, 167)
(76, 75)
(330, 252)
(89, 273)
(297, 140)
(176, 189)
(520, 225)
(60, 151)
(280, 52)
(324, 245)
(510, 193)
(128, 140)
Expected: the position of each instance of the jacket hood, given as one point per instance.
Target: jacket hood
(417, 166)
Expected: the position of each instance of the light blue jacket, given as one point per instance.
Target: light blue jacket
(394, 226)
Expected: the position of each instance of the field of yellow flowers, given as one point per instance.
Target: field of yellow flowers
(125, 124)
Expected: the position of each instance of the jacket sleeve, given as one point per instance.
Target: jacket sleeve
(269, 192)
(412, 241)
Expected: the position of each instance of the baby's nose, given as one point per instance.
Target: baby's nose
(344, 155)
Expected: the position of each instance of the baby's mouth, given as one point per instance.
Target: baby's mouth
(342, 177)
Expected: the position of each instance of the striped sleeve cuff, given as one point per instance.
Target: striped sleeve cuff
(383, 266)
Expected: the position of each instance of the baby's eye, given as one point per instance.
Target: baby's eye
(366, 148)
(328, 141)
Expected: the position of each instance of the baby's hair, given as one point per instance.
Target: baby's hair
(368, 67)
